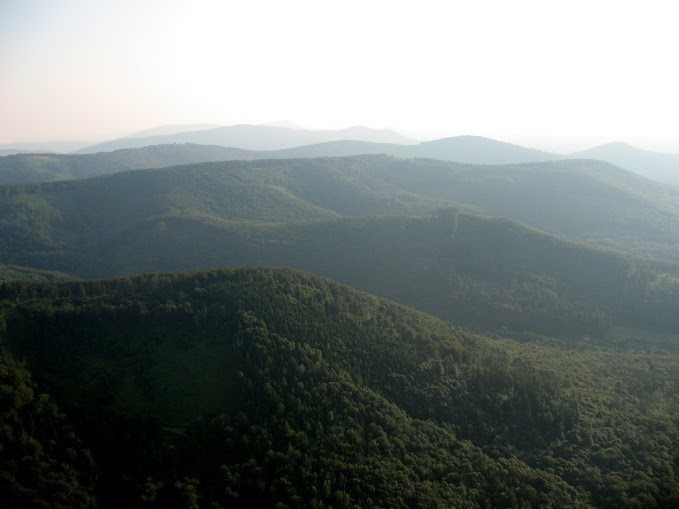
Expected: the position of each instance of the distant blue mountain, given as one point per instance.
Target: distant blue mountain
(253, 137)
(654, 165)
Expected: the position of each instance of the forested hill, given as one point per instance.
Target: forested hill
(481, 273)
(587, 201)
(461, 149)
(30, 168)
(260, 387)
(584, 200)
(13, 272)
(26, 168)
(654, 165)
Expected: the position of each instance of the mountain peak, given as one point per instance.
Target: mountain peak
(166, 129)
(481, 150)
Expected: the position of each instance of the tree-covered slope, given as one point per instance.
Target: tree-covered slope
(41, 223)
(13, 272)
(479, 150)
(485, 274)
(654, 165)
(42, 461)
(31, 168)
(259, 386)
(586, 201)
(481, 273)
(27, 168)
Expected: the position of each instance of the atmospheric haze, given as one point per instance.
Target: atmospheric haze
(526, 71)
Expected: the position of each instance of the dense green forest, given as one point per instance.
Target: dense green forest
(13, 272)
(276, 388)
(203, 215)
(481, 273)
(262, 387)
(586, 201)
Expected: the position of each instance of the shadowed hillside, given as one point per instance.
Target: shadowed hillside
(263, 387)
(483, 273)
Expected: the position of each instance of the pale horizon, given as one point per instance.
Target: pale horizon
(556, 76)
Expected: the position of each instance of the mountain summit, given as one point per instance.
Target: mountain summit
(254, 137)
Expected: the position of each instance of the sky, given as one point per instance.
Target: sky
(513, 70)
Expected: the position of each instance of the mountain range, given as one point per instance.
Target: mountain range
(43, 147)
(518, 346)
(278, 388)
(23, 168)
(276, 141)
(653, 165)
(351, 219)
(587, 201)
(254, 137)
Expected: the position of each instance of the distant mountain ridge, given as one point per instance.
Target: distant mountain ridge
(29, 168)
(43, 146)
(171, 129)
(24, 168)
(277, 140)
(588, 201)
(479, 272)
(480, 150)
(657, 166)
(254, 137)
(461, 149)
(287, 140)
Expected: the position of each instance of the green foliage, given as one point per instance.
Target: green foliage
(588, 201)
(13, 272)
(313, 394)
(31, 168)
(484, 274)
(42, 463)
(262, 387)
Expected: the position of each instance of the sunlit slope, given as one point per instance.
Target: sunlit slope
(14, 272)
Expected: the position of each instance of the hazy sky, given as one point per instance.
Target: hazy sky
(508, 69)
